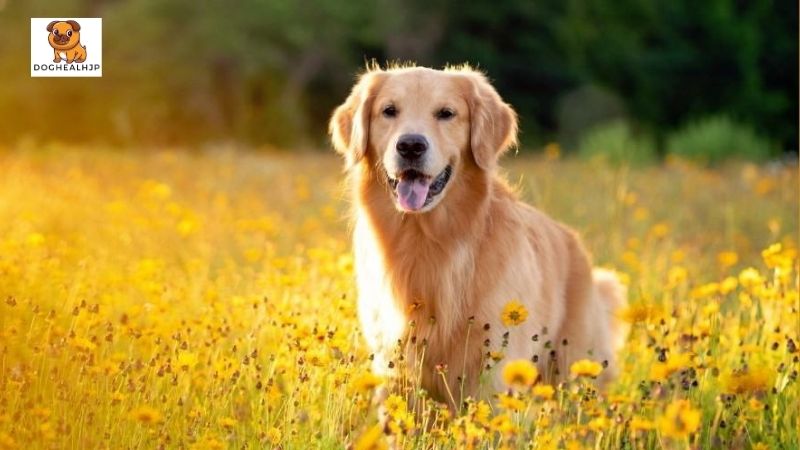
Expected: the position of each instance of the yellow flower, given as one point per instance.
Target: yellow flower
(395, 405)
(228, 422)
(7, 442)
(704, 291)
(544, 391)
(586, 368)
(680, 420)
(676, 276)
(146, 415)
(727, 259)
(660, 230)
(728, 285)
(496, 355)
(641, 313)
(35, 239)
(599, 423)
(84, 344)
(750, 278)
(274, 435)
(480, 412)
(754, 379)
(520, 373)
(510, 403)
(771, 255)
(367, 382)
(641, 424)
(187, 360)
(514, 313)
(503, 425)
(755, 404)
(372, 439)
(552, 151)
(675, 362)
(401, 423)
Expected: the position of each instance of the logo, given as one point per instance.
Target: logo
(66, 47)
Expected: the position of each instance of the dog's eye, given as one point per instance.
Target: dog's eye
(55, 32)
(69, 33)
(390, 111)
(445, 114)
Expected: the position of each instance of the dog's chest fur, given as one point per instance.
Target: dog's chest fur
(412, 311)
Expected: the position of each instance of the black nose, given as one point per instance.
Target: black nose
(412, 146)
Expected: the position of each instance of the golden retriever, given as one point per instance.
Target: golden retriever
(442, 244)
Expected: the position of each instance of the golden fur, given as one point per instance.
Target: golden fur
(432, 284)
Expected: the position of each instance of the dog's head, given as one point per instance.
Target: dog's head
(64, 34)
(420, 128)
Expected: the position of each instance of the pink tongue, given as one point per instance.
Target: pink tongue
(412, 193)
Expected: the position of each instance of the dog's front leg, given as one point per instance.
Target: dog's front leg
(56, 57)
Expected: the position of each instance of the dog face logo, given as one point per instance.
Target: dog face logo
(65, 54)
(65, 38)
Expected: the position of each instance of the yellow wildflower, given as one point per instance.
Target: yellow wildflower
(502, 424)
(228, 422)
(728, 284)
(146, 415)
(751, 380)
(514, 313)
(727, 259)
(680, 420)
(641, 424)
(675, 362)
(676, 276)
(395, 405)
(367, 382)
(600, 423)
(187, 360)
(544, 391)
(552, 151)
(586, 368)
(520, 373)
(372, 439)
(750, 278)
(660, 230)
(510, 403)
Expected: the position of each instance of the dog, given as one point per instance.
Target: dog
(65, 38)
(442, 244)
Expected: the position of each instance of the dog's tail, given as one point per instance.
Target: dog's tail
(614, 296)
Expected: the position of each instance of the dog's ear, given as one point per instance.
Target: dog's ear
(349, 126)
(50, 25)
(75, 25)
(493, 123)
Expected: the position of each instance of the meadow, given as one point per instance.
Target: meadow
(166, 299)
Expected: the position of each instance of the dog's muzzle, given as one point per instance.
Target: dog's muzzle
(414, 190)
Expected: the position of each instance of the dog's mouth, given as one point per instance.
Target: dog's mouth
(415, 190)
(61, 39)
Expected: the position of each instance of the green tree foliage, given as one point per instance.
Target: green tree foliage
(616, 143)
(713, 139)
(270, 71)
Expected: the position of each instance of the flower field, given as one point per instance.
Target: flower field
(175, 300)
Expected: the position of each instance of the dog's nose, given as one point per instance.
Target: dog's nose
(412, 146)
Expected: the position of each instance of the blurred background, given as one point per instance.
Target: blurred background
(634, 79)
